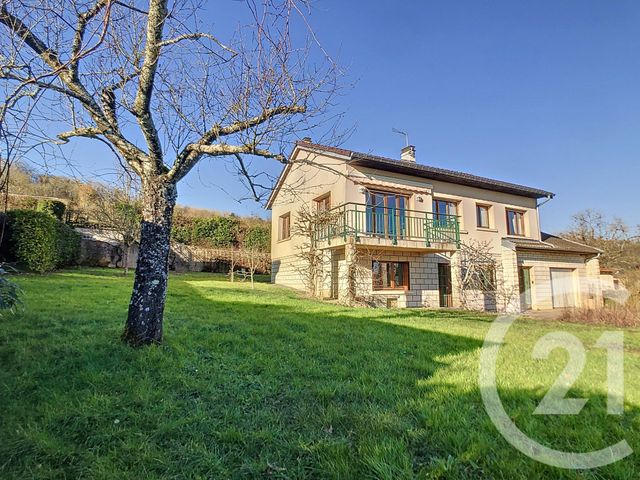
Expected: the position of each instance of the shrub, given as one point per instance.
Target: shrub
(54, 208)
(68, 245)
(41, 242)
(615, 316)
(10, 294)
(34, 239)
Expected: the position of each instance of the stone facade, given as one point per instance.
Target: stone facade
(335, 279)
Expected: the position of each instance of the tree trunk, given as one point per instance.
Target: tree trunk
(144, 322)
(126, 259)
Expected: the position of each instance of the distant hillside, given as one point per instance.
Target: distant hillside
(26, 186)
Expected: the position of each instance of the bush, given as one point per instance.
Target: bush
(68, 245)
(10, 294)
(615, 316)
(41, 242)
(54, 208)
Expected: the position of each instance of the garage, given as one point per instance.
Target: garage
(563, 287)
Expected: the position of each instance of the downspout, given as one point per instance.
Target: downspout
(549, 197)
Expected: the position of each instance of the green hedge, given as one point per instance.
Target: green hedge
(40, 242)
(258, 238)
(207, 231)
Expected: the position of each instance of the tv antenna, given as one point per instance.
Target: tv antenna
(406, 135)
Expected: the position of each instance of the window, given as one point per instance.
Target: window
(323, 203)
(482, 215)
(515, 222)
(390, 275)
(442, 208)
(284, 226)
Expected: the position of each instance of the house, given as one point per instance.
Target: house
(393, 232)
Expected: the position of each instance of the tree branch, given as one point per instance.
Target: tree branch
(245, 173)
(192, 152)
(141, 105)
(196, 36)
(195, 151)
(80, 132)
(76, 46)
(218, 131)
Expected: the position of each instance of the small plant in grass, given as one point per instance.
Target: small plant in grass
(10, 294)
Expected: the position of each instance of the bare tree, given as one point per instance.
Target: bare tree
(128, 75)
(16, 111)
(481, 283)
(256, 243)
(312, 226)
(613, 236)
(117, 210)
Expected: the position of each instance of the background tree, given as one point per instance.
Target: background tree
(257, 240)
(619, 243)
(118, 211)
(128, 73)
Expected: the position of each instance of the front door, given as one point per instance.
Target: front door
(562, 288)
(524, 279)
(444, 285)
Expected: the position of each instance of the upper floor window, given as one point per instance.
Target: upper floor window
(284, 226)
(390, 275)
(482, 216)
(323, 203)
(515, 223)
(441, 208)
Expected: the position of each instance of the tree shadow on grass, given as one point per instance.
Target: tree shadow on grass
(248, 387)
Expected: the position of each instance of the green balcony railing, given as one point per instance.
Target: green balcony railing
(393, 223)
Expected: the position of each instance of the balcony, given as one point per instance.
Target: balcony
(387, 226)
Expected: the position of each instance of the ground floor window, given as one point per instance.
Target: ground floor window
(390, 275)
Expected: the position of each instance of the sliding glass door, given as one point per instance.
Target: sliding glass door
(386, 214)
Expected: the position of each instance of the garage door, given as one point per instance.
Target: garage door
(562, 288)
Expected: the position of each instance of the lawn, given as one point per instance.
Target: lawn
(265, 384)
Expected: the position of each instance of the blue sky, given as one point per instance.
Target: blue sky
(543, 93)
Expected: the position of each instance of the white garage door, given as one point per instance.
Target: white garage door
(562, 288)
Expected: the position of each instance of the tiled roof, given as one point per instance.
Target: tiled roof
(552, 243)
(425, 171)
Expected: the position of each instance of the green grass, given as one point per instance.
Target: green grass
(265, 384)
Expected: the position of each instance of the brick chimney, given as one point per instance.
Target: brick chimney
(408, 154)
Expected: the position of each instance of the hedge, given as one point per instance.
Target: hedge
(258, 238)
(207, 231)
(40, 242)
